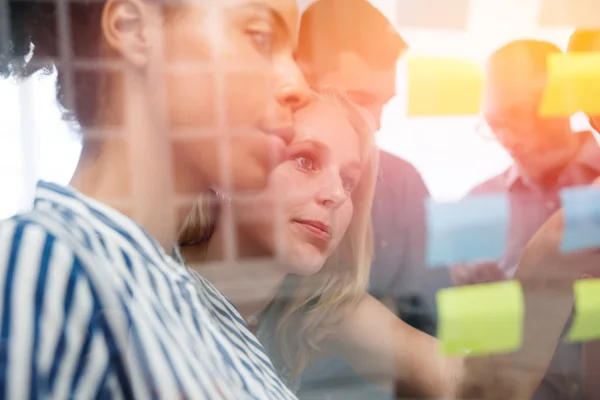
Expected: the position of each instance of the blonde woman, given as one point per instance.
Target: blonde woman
(322, 197)
(312, 221)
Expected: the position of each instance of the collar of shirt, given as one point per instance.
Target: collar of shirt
(588, 156)
(68, 200)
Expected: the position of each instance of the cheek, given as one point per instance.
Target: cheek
(246, 80)
(246, 96)
(290, 186)
(191, 100)
(190, 92)
(263, 209)
(231, 85)
(343, 218)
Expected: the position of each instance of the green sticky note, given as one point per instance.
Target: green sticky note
(586, 323)
(481, 319)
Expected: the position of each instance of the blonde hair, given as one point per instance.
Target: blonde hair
(310, 306)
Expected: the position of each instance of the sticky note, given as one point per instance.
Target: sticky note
(573, 85)
(481, 319)
(568, 13)
(443, 86)
(581, 207)
(418, 14)
(473, 229)
(586, 323)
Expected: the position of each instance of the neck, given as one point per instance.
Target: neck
(133, 171)
(250, 285)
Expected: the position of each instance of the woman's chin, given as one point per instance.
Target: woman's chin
(305, 263)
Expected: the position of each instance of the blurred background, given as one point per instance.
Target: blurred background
(448, 152)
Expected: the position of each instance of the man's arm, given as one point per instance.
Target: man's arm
(403, 222)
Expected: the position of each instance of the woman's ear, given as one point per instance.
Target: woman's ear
(125, 26)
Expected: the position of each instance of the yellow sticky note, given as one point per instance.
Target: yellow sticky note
(443, 86)
(586, 323)
(573, 85)
(481, 319)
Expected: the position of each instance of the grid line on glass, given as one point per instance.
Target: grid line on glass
(157, 191)
(65, 51)
(28, 145)
(229, 237)
(4, 27)
(80, 63)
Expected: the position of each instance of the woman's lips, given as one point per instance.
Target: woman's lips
(315, 228)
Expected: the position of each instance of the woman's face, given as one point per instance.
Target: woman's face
(307, 206)
(232, 90)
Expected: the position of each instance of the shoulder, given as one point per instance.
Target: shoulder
(57, 255)
(389, 163)
(36, 245)
(34, 231)
(494, 184)
(400, 177)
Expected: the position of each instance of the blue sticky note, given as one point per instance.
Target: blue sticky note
(581, 208)
(473, 229)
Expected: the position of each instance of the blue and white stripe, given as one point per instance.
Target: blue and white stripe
(92, 307)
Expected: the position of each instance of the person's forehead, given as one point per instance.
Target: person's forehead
(354, 74)
(304, 4)
(321, 121)
(513, 83)
(502, 99)
(287, 9)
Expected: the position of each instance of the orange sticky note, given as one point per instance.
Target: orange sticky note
(573, 85)
(443, 86)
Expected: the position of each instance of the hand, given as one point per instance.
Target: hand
(476, 273)
(543, 260)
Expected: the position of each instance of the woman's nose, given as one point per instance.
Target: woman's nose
(332, 193)
(292, 91)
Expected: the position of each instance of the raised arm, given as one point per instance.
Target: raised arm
(379, 345)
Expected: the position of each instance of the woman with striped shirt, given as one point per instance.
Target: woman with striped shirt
(91, 305)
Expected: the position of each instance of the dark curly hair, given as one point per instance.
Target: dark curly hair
(34, 44)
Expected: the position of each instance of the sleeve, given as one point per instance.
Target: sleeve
(413, 286)
(416, 285)
(414, 195)
(51, 342)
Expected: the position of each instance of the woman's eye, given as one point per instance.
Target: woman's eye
(263, 40)
(349, 184)
(306, 163)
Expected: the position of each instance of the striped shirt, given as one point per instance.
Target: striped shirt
(92, 307)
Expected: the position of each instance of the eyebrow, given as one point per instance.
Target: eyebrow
(274, 15)
(361, 94)
(315, 144)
